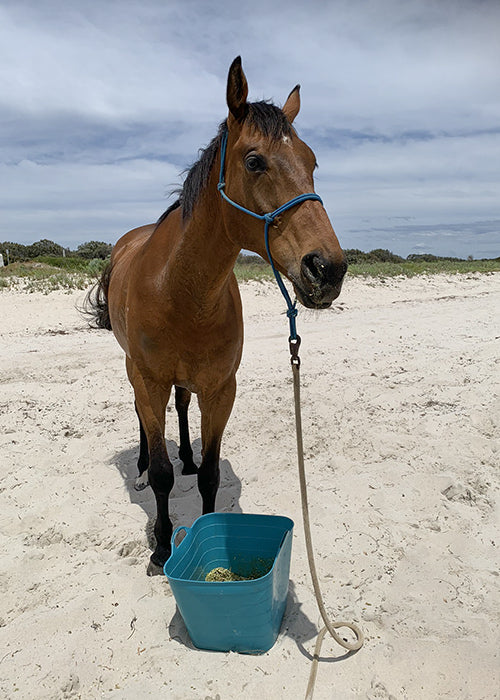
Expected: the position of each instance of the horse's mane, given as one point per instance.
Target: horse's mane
(263, 116)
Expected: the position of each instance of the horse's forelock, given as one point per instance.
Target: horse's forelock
(263, 116)
(269, 120)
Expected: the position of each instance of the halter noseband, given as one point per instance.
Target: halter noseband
(268, 219)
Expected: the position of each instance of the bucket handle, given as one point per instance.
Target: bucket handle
(175, 533)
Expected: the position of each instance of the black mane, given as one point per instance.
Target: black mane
(263, 116)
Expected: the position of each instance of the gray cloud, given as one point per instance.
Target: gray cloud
(103, 104)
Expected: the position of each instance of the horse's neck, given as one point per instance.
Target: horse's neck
(202, 259)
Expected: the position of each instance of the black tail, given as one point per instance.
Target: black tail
(96, 301)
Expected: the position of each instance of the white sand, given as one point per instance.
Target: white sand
(401, 417)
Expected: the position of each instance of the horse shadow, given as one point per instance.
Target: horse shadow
(185, 508)
(185, 501)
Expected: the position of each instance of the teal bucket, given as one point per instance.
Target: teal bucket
(243, 616)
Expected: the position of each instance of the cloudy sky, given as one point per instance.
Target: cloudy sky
(103, 103)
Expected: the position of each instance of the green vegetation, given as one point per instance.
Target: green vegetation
(45, 266)
(16, 252)
(49, 269)
(377, 263)
(41, 276)
(92, 267)
(410, 268)
(252, 267)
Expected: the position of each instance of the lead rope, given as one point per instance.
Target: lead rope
(294, 342)
(329, 625)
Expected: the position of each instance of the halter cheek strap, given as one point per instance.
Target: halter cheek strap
(268, 220)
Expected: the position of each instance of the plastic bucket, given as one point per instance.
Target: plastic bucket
(243, 616)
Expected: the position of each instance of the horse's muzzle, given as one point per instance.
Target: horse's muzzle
(320, 280)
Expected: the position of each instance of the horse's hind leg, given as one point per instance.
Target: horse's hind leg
(215, 412)
(143, 462)
(182, 399)
(142, 480)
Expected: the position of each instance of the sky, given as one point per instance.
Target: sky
(104, 103)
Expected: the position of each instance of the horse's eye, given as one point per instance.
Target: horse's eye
(255, 164)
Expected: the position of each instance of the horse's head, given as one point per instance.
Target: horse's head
(267, 165)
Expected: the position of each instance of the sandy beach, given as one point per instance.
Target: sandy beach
(400, 383)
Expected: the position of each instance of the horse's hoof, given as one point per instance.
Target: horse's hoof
(141, 481)
(161, 554)
(157, 560)
(189, 468)
(154, 570)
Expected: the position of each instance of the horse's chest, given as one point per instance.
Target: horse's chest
(195, 360)
(205, 367)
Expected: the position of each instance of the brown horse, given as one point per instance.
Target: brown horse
(172, 300)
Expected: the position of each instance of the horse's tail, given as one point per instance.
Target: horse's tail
(96, 301)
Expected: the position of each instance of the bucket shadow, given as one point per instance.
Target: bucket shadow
(185, 500)
(295, 625)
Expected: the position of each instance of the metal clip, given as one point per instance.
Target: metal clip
(294, 344)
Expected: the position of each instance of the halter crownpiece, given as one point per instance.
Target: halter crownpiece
(268, 220)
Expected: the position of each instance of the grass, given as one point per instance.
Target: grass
(408, 268)
(259, 270)
(88, 267)
(46, 274)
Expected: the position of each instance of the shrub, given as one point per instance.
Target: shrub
(17, 252)
(94, 249)
(383, 255)
(355, 256)
(44, 247)
(250, 259)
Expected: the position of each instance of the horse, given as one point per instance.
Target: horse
(170, 296)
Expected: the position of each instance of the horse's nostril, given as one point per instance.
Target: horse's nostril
(313, 268)
(322, 273)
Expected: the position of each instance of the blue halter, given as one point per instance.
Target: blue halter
(268, 219)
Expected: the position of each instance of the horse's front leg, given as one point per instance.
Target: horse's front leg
(215, 411)
(151, 402)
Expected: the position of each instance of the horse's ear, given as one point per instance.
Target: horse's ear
(237, 91)
(292, 105)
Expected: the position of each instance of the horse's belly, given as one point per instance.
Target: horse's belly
(206, 368)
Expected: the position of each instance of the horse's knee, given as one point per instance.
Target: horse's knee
(208, 479)
(161, 477)
(160, 472)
